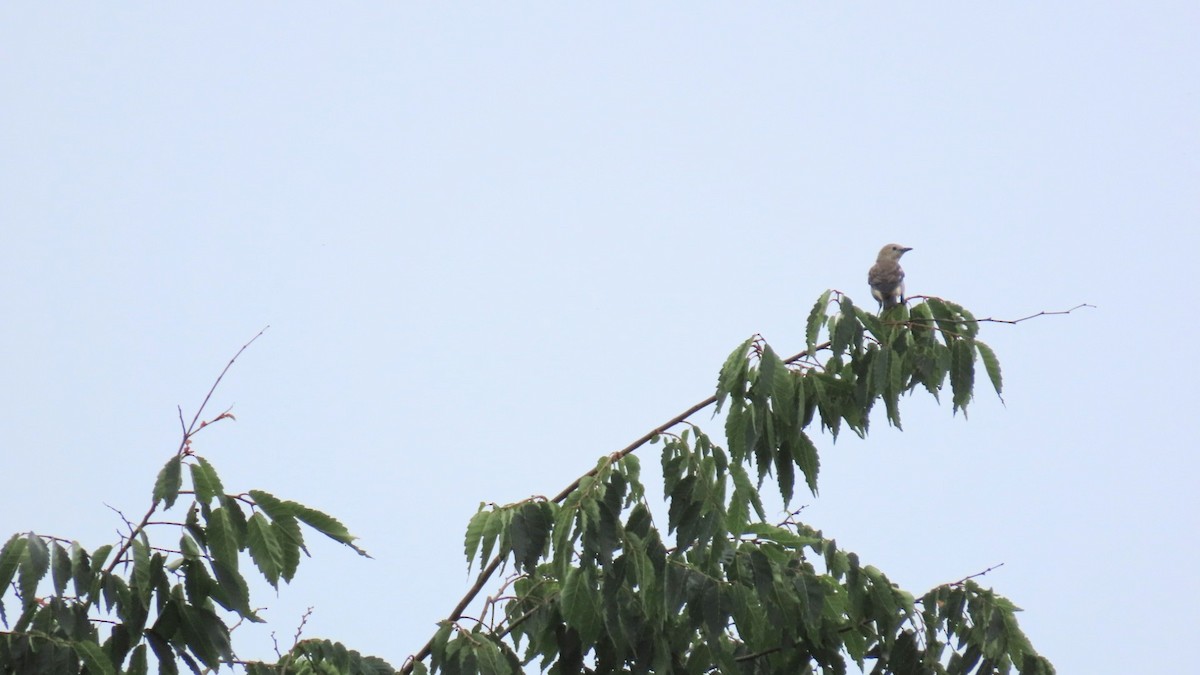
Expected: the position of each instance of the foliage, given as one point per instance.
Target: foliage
(597, 586)
(132, 606)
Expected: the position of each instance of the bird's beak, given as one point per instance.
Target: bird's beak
(905, 249)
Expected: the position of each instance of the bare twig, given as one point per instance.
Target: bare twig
(300, 629)
(200, 411)
(1007, 321)
(1042, 313)
(964, 580)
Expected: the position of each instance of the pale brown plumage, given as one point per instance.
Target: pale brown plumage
(886, 277)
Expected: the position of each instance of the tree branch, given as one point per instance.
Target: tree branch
(183, 448)
(486, 573)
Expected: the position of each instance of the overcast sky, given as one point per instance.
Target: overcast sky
(494, 242)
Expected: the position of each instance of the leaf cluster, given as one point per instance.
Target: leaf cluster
(123, 607)
(596, 585)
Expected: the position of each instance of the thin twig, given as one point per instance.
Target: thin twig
(300, 629)
(1042, 313)
(994, 320)
(213, 388)
(967, 578)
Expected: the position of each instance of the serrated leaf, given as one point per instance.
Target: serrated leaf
(581, 606)
(962, 374)
(848, 330)
(205, 635)
(768, 365)
(812, 602)
(732, 378)
(992, 365)
(816, 319)
(274, 507)
(232, 592)
(10, 558)
(326, 525)
(804, 454)
(197, 582)
(34, 564)
(188, 547)
(140, 579)
(162, 652)
(265, 550)
(205, 481)
(785, 474)
(945, 318)
(291, 542)
(170, 478)
(81, 569)
(529, 531)
(137, 662)
(60, 568)
(474, 536)
(493, 524)
(100, 556)
(222, 538)
(921, 319)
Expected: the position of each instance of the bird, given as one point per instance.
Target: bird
(886, 277)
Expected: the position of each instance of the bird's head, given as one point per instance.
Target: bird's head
(893, 252)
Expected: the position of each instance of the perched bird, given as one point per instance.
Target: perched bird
(886, 276)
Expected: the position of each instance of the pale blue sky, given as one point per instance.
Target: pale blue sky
(494, 242)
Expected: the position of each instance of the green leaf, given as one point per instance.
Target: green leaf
(785, 475)
(291, 542)
(529, 532)
(170, 478)
(581, 606)
(162, 651)
(81, 569)
(992, 365)
(197, 582)
(326, 525)
(140, 580)
(34, 565)
(732, 379)
(10, 558)
(205, 634)
(222, 538)
(264, 548)
(60, 568)
(474, 536)
(769, 365)
(137, 662)
(93, 657)
(782, 536)
(816, 319)
(231, 591)
(804, 454)
(812, 601)
(844, 327)
(921, 319)
(276, 508)
(962, 373)
(872, 323)
(205, 481)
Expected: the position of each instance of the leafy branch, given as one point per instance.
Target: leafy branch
(771, 400)
(163, 599)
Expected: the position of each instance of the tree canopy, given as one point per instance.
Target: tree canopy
(593, 580)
